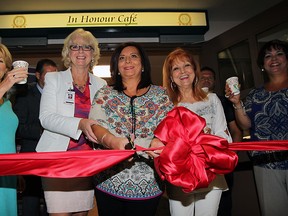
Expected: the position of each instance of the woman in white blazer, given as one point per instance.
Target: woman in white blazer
(64, 110)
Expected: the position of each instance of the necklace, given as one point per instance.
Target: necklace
(80, 87)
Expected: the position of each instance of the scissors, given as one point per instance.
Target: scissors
(130, 145)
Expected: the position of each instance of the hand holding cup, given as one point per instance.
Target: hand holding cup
(20, 64)
(232, 89)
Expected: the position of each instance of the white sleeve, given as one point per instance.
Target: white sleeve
(220, 125)
(55, 115)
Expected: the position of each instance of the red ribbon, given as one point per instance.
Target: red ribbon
(190, 159)
(61, 164)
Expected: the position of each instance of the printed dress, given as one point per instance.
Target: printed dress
(268, 112)
(123, 115)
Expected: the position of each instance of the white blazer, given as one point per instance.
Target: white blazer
(56, 115)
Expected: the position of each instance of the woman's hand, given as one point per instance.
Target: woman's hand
(85, 125)
(12, 77)
(155, 143)
(235, 99)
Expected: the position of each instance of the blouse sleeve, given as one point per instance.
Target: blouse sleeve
(97, 111)
(55, 115)
(165, 105)
(220, 125)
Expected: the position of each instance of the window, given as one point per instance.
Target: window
(236, 61)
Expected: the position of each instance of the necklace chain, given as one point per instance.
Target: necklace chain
(80, 87)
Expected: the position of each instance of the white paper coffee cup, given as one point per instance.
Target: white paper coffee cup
(233, 84)
(205, 89)
(21, 64)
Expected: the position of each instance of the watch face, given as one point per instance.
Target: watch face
(185, 19)
(19, 21)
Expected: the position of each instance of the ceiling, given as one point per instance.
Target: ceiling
(222, 14)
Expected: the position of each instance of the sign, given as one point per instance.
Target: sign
(104, 19)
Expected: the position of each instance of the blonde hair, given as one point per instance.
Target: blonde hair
(6, 55)
(180, 54)
(86, 36)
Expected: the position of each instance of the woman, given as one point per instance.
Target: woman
(8, 126)
(180, 76)
(64, 110)
(129, 111)
(265, 115)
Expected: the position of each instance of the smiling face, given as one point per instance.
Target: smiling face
(207, 79)
(129, 63)
(81, 57)
(182, 73)
(275, 61)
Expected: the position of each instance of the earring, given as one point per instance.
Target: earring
(142, 70)
(119, 73)
(173, 85)
(92, 62)
(262, 69)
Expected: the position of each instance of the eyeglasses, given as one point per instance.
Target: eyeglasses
(77, 47)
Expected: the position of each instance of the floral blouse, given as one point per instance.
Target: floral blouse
(123, 115)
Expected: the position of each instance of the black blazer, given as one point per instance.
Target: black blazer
(27, 109)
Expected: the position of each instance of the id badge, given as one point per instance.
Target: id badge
(69, 97)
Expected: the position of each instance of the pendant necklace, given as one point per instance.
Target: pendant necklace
(80, 87)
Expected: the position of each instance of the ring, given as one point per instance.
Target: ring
(227, 96)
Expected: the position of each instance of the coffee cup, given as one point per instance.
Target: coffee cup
(233, 84)
(205, 89)
(21, 64)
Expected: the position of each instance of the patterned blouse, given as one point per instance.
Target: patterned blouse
(123, 115)
(268, 112)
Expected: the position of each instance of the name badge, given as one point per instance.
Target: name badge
(69, 97)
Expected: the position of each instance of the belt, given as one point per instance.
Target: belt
(277, 156)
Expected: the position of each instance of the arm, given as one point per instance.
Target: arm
(242, 119)
(56, 115)
(9, 79)
(107, 139)
(220, 124)
(236, 133)
(101, 130)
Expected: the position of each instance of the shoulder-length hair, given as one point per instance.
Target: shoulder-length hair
(88, 38)
(145, 62)
(180, 54)
(273, 44)
(6, 55)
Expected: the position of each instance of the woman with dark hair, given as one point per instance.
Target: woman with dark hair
(264, 113)
(128, 112)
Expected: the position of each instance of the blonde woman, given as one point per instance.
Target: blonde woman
(64, 109)
(8, 126)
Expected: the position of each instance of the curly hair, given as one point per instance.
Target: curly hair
(88, 38)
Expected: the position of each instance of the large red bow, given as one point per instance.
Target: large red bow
(191, 159)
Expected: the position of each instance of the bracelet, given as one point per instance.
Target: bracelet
(102, 138)
(237, 108)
